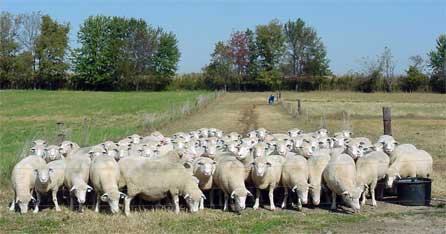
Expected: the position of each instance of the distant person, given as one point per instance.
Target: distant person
(271, 99)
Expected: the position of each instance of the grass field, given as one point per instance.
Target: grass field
(88, 117)
(417, 118)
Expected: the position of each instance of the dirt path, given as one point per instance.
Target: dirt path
(240, 112)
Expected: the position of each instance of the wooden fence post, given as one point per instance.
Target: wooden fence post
(387, 121)
(299, 109)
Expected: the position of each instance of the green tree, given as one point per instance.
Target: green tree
(437, 62)
(219, 71)
(9, 47)
(51, 49)
(305, 50)
(415, 79)
(167, 56)
(270, 43)
(252, 67)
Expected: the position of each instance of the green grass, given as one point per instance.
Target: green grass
(88, 117)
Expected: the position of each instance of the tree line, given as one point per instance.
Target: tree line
(114, 53)
(264, 57)
(117, 53)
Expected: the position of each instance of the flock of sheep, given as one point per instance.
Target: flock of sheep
(185, 165)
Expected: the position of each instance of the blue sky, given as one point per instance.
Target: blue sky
(349, 29)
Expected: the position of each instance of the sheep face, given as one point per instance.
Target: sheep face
(113, 200)
(391, 177)
(239, 197)
(23, 201)
(322, 132)
(193, 195)
(66, 147)
(294, 132)
(135, 138)
(308, 148)
(260, 166)
(283, 147)
(194, 135)
(315, 193)
(81, 192)
(210, 150)
(339, 140)
(388, 143)
(351, 199)
(43, 175)
(243, 151)
(302, 192)
(206, 167)
(39, 150)
(325, 143)
(53, 153)
(260, 150)
(355, 151)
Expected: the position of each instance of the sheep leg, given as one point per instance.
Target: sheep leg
(225, 206)
(71, 202)
(333, 201)
(54, 195)
(12, 207)
(36, 208)
(285, 197)
(96, 208)
(299, 204)
(363, 197)
(127, 201)
(211, 198)
(372, 191)
(271, 198)
(176, 202)
(256, 203)
(201, 203)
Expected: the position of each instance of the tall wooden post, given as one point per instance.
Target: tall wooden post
(299, 109)
(387, 121)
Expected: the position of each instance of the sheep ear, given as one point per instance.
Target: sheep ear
(249, 193)
(89, 188)
(32, 198)
(72, 188)
(294, 189)
(104, 197)
(186, 196)
(203, 196)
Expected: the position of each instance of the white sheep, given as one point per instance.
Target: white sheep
(295, 132)
(105, 176)
(77, 172)
(266, 173)
(369, 170)
(295, 177)
(229, 177)
(340, 178)
(24, 176)
(66, 147)
(57, 176)
(409, 163)
(316, 166)
(153, 180)
(203, 170)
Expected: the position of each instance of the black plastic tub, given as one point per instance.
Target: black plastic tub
(414, 191)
